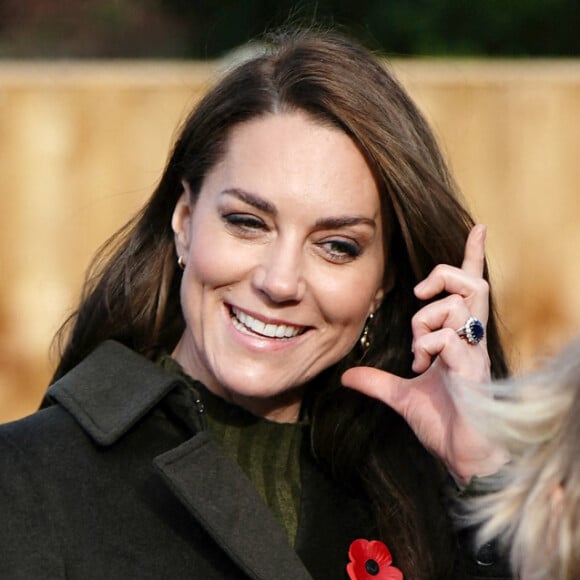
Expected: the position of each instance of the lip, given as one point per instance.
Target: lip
(259, 331)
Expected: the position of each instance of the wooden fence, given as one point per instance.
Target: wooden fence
(83, 144)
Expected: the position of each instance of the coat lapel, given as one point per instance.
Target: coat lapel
(111, 390)
(217, 492)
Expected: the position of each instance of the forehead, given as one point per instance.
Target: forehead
(290, 155)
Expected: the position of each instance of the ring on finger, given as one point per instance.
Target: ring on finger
(472, 331)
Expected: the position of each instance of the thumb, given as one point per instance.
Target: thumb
(380, 385)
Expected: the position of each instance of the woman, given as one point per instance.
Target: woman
(533, 503)
(305, 224)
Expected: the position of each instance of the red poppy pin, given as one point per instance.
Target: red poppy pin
(371, 561)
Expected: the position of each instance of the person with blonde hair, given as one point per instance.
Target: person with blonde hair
(533, 503)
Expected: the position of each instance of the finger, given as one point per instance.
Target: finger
(380, 385)
(474, 256)
(448, 312)
(470, 362)
(462, 280)
(445, 278)
(426, 348)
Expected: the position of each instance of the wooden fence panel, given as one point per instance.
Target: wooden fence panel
(82, 145)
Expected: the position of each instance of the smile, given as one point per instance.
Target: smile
(250, 325)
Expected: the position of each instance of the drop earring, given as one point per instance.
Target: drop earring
(181, 262)
(365, 339)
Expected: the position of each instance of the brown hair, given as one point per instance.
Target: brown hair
(133, 294)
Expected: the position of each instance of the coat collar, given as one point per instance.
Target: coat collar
(110, 390)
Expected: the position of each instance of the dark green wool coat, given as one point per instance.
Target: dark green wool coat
(118, 478)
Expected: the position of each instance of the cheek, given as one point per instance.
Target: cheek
(209, 268)
(212, 261)
(346, 303)
(351, 294)
(205, 268)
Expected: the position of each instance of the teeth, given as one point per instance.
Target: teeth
(245, 323)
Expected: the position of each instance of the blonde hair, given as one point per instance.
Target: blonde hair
(533, 503)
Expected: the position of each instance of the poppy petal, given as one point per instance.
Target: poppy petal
(379, 552)
(361, 551)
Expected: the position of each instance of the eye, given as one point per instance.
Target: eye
(341, 250)
(244, 223)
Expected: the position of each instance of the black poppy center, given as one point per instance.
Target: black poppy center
(372, 567)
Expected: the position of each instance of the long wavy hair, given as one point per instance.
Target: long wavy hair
(533, 503)
(132, 290)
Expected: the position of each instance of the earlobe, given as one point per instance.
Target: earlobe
(180, 222)
(383, 290)
(377, 300)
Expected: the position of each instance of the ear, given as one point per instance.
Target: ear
(386, 286)
(376, 302)
(181, 221)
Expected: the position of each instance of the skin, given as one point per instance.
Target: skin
(441, 356)
(286, 229)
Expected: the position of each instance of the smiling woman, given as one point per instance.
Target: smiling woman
(305, 225)
(300, 256)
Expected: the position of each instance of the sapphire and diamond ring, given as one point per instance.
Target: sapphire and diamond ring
(472, 331)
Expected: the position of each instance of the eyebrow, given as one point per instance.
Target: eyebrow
(251, 199)
(341, 222)
(326, 223)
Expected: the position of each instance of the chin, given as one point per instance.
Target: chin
(261, 397)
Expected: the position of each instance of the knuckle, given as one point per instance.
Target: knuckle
(419, 346)
(440, 270)
(417, 321)
(448, 335)
(456, 301)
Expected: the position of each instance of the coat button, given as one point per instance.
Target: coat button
(486, 555)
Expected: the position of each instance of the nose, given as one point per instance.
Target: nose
(279, 274)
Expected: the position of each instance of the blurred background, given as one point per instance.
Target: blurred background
(92, 92)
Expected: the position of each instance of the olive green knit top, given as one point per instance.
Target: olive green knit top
(268, 452)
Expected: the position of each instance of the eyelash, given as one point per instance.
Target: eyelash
(244, 222)
(341, 250)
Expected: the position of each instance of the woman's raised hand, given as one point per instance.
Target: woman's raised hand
(441, 356)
